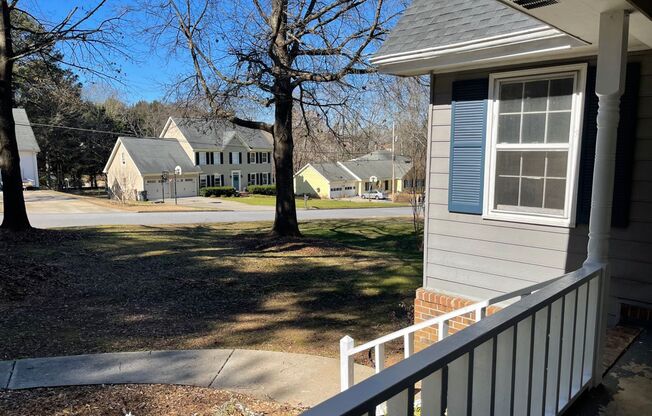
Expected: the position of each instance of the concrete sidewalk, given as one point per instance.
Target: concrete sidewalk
(297, 379)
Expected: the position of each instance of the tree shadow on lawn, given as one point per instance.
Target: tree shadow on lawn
(149, 288)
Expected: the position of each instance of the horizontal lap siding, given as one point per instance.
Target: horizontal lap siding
(631, 247)
(476, 258)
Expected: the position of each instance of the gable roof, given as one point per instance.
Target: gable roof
(365, 169)
(24, 133)
(333, 172)
(153, 156)
(211, 134)
(382, 155)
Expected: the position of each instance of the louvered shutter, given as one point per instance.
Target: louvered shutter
(248, 158)
(196, 158)
(468, 130)
(269, 157)
(230, 158)
(221, 158)
(239, 158)
(624, 149)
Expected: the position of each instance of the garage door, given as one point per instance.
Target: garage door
(185, 187)
(154, 191)
(349, 191)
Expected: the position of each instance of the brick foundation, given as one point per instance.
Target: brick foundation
(429, 304)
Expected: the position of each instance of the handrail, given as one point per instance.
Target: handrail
(363, 397)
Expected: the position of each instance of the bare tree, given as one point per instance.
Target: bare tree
(23, 37)
(284, 54)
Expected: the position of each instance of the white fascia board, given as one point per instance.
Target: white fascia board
(166, 127)
(516, 48)
(311, 166)
(112, 156)
(340, 164)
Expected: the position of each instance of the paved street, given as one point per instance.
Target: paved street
(157, 218)
(49, 209)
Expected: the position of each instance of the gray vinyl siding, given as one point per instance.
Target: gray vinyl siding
(469, 256)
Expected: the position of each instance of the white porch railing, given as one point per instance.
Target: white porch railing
(533, 357)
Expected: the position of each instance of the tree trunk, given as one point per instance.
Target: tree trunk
(15, 214)
(285, 221)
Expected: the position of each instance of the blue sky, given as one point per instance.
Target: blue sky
(143, 76)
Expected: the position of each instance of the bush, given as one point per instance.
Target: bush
(218, 191)
(262, 189)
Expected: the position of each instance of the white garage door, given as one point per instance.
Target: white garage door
(349, 191)
(185, 187)
(154, 189)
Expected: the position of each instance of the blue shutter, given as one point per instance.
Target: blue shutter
(468, 130)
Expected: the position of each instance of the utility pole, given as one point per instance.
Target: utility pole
(393, 160)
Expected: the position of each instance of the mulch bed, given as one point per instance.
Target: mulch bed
(136, 400)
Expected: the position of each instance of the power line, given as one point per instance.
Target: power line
(80, 129)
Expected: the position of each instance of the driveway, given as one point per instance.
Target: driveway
(50, 202)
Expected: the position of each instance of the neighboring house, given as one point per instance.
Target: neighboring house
(227, 155)
(513, 141)
(373, 171)
(27, 148)
(136, 165)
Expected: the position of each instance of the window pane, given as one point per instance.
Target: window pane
(534, 163)
(531, 192)
(510, 97)
(558, 127)
(506, 191)
(534, 127)
(536, 96)
(508, 163)
(557, 162)
(555, 193)
(561, 93)
(509, 128)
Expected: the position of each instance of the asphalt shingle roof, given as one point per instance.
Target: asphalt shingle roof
(333, 172)
(156, 155)
(210, 134)
(365, 169)
(435, 23)
(24, 133)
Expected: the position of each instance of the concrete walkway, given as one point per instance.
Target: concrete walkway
(298, 379)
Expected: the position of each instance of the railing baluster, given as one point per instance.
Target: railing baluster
(483, 364)
(538, 361)
(458, 385)
(431, 398)
(397, 405)
(480, 313)
(591, 326)
(522, 374)
(566, 352)
(408, 345)
(379, 357)
(346, 363)
(555, 333)
(502, 385)
(580, 337)
(442, 330)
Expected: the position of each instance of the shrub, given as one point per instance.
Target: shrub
(262, 189)
(218, 191)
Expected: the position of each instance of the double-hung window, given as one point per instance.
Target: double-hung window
(533, 144)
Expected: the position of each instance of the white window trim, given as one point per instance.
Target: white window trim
(574, 146)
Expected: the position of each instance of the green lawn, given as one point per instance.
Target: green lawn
(317, 203)
(205, 286)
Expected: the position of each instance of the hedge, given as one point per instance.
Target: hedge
(262, 189)
(218, 191)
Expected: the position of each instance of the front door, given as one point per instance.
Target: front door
(235, 180)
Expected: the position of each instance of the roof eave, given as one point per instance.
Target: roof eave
(518, 48)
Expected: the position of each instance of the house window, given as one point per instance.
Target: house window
(265, 178)
(535, 123)
(202, 181)
(235, 158)
(263, 157)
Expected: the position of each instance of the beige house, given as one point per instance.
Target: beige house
(135, 167)
(226, 154)
(27, 148)
(373, 171)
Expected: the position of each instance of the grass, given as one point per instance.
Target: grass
(316, 203)
(209, 286)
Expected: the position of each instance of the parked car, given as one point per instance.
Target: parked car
(373, 195)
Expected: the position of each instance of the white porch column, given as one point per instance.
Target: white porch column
(610, 85)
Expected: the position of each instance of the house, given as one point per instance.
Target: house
(350, 178)
(134, 170)
(27, 148)
(226, 154)
(539, 191)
